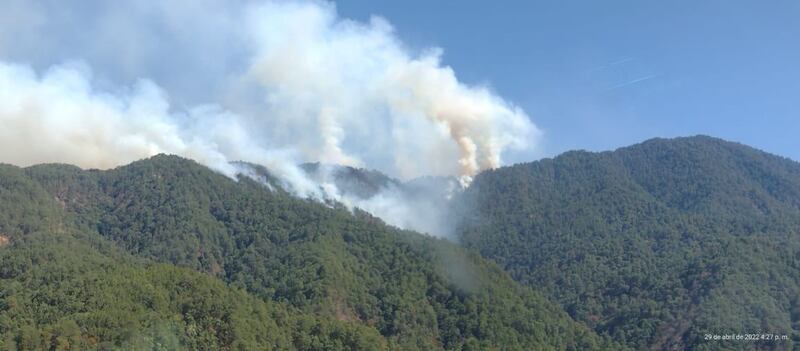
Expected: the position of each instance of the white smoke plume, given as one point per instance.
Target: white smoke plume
(273, 83)
(58, 117)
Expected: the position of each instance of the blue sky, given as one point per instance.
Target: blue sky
(283, 82)
(598, 75)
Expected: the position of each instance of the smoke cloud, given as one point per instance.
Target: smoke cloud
(272, 83)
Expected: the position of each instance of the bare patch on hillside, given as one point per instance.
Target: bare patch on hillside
(342, 311)
(4, 240)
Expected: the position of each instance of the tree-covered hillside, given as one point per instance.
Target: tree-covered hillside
(58, 293)
(63, 287)
(655, 244)
(96, 252)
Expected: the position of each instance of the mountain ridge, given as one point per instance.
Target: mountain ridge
(334, 266)
(681, 224)
(651, 245)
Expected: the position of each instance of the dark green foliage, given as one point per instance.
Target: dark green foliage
(656, 244)
(25, 206)
(67, 290)
(314, 277)
(58, 293)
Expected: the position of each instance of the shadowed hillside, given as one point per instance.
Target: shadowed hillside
(655, 244)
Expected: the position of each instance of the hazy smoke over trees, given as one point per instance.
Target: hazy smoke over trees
(273, 83)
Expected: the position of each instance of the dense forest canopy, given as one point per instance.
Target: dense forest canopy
(652, 246)
(655, 244)
(165, 253)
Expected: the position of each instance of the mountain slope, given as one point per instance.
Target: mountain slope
(419, 204)
(655, 244)
(63, 288)
(58, 293)
(356, 182)
(413, 291)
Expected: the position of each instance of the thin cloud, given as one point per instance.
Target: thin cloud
(621, 61)
(633, 81)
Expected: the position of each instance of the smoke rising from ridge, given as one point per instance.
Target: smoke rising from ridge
(286, 82)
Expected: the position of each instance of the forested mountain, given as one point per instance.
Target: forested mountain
(164, 253)
(655, 244)
(652, 246)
